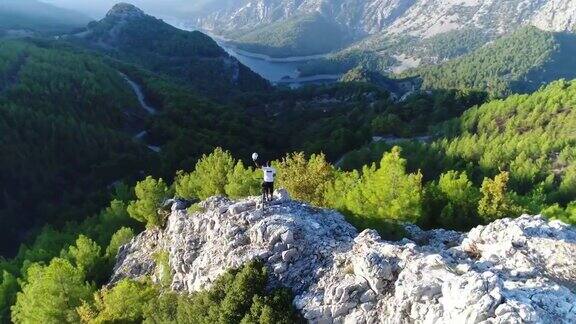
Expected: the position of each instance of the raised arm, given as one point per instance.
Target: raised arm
(255, 160)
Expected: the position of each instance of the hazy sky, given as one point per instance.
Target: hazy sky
(98, 8)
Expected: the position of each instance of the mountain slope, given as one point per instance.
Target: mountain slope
(532, 136)
(62, 120)
(307, 35)
(129, 34)
(519, 63)
(415, 18)
(40, 17)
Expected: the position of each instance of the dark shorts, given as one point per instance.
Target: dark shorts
(268, 188)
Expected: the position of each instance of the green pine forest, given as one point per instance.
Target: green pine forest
(480, 144)
(309, 35)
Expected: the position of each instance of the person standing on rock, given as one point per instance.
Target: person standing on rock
(269, 173)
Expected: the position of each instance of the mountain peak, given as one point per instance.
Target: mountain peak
(125, 10)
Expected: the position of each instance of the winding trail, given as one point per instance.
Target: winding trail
(140, 95)
(142, 133)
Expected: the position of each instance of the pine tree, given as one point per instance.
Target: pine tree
(460, 198)
(150, 193)
(87, 257)
(306, 179)
(209, 178)
(51, 294)
(242, 182)
(389, 193)
(8, 289)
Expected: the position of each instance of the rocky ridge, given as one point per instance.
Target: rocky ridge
(420, 18)
(511, 271)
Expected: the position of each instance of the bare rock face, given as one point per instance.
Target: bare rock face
(511, 271)
(419, 18)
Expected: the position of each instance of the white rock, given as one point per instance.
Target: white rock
(289, 255)
(281, 195)
(509, 271)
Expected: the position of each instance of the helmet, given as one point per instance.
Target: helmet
(254, 156)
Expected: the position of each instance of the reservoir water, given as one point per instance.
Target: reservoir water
(270, 70)
(278, 70)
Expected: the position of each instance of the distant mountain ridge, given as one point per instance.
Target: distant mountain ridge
(37, 16)
(423, 18)
(396, 18)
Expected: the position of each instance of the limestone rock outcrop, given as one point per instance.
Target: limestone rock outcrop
(418, 18)
(519, 270)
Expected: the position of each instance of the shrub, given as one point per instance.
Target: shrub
(567, 215)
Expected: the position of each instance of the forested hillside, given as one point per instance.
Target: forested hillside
(528, 140)
(61, 121)
(519, 63)
(531, 136)
(130, 35)
(307, 35)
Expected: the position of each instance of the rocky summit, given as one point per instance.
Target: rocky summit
(519, 270)
(125, 10)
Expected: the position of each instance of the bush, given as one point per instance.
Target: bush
(163, 270)
(238, 296)
(123, 303)
(567, 215)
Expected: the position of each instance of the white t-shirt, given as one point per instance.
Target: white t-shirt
(269, 174)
